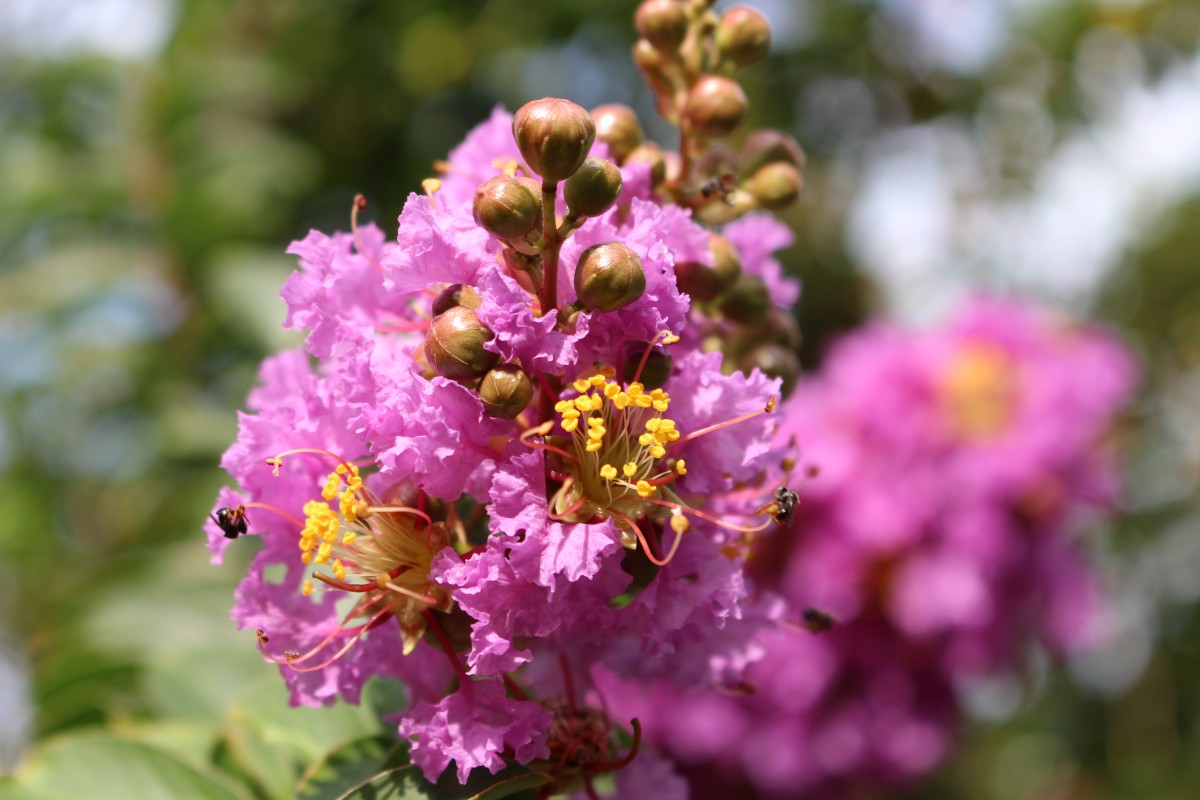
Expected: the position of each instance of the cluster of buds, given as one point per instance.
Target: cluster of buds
(689, 55)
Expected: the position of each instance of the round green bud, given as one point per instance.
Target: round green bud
(505, 207)
(768, 146)
(775, 361)
(593, 188)
(775, 185)
(716, 106)
(505, 391)
(618, 127)
(658, 367)
(652, 154)
(454, 346)
(743, 36)
(455, 295)
(705, 283)
(608, 277)
(747, 301)
(554, 137)
(663, 23)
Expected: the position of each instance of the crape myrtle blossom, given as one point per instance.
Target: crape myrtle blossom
(457, 482)
(956, 466)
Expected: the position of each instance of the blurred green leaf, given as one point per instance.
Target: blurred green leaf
(350, 766)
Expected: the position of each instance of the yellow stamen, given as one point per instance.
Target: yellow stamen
(307, 590)
(644, 489)
(680, 467)
(630, 469)
(608, 472)
(582, 385)
(680, 524)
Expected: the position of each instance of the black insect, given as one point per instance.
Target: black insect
(782, 505)
(233, 522)
(817, 621)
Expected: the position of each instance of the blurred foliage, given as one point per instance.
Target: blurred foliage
(145, 209)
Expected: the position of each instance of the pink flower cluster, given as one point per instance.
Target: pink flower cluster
(490, 559)
(936, 539)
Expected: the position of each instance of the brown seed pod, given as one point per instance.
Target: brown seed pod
(554, 137)
(506, 207)
(593, 188)
(454, 346)
(618, 127)
(505, 391)
(716, 106)
(608, 277)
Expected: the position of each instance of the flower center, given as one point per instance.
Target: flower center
(978, 387)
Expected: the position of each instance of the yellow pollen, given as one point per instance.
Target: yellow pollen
(323, 552)
(608, 472)
(652, 424)
(595, 422)
(630, 469)
(306, 558)
(562, 406)
(621, 401)
(661, 405)
(680, 467)
(583, 403)
(596, 434)
(679, 524)
(308, 588)
(670, 338)
(348, 537)
(644, 489)
(332, 483)
(646, 439)
(431, 185)
(339, 569)
(635, 389)
(611, 390)
(658, 451)
(570, 424)
(642, 401)
(594, 445)
(597, 381)
(582, 385)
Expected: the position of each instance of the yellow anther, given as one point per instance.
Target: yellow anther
(670, 338)
(680, 524)
(350, 536)
(658, 451)
(653, 424)
(306, 557)
(597, 381)
(608, 371)
(570, 424)
(646, 439)
(582, 385)
(583, 403)
(644, 489)
(596, 434)
(673, 435)
(594, 445)
(771, 404)
(308, 588)
(661, 405)
(611, 390)
(595, 422)
(680, 467)
(597, 401)
(330, 536)
(635, 389)
(642, 401)
(608, 472)
(339, 569)
(332, 484)
(323, 552)
(563, 405)
(275, 464)
(658, 394)
(571, 413)
(621, 401)
(630, 469)
(431, 185)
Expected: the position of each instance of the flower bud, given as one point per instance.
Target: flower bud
(658, 367)
(593, 188)
(781, 327)
(608, 277)
(747, 301)
(454, 346)
(505, 207)
(505, 391)
(652, 154)
(618, 127)
(455, 295)
(743, 36)
(554, 137)
(775, 361)
(716, 106)
(705, 283)
(768, 146)
(663, 23)
(775, 185)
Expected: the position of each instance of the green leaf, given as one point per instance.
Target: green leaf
(507, 788)
(349, 766)
(399, 783)
(98, 765)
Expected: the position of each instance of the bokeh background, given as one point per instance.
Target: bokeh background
(156, 156)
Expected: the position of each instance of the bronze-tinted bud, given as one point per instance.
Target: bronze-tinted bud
(593, 188)
(775, 185)
(455, 295)
(767, 147)
(716, 106)
(658, 367)
(652, 154)
(618, 127)
(743, 36)
(505, 207)
(554, 137)
(505, 391)
(663, 23)
(775, 361)
(608, 277)
(705, 283)
(454, 346)
(747, 301)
